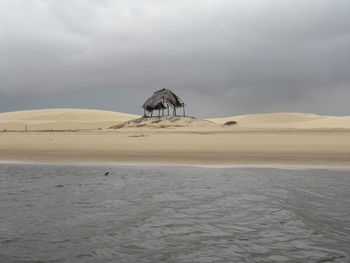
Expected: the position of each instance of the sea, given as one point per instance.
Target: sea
(149, 213)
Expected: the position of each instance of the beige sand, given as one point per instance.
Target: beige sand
(61, 119)
(301, 121)
(307, 140)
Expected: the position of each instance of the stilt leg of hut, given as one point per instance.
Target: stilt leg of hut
(175, 111)
(168, 110)
(183, 108)
(162, 112)
(151, 113)
(158, 113)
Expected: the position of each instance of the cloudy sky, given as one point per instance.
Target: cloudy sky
(222, 57)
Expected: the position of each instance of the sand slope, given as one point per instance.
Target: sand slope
(61, 119)
(287, 121)
(166, 122)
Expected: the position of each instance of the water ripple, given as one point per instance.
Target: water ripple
(172, 214)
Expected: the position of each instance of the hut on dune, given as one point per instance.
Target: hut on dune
(161, 100)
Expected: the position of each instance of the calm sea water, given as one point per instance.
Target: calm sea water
(172, 214)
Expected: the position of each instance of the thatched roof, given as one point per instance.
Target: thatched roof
(162, 99)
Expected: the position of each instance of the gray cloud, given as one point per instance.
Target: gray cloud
(222, 57)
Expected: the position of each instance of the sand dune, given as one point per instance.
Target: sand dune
(61, 119)
(82, 119)
(287, 121)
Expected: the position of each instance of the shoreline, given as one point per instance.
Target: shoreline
(206, 156)
(193, 165)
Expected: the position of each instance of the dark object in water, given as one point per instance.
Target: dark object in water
(107, 173)
(230, 123)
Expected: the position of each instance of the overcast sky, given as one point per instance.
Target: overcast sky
(222, 57)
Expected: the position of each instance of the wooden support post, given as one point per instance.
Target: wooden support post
(151, 113)
(159, 113)
(183, 107)
(168, 110)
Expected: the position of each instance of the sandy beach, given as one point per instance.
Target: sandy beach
(313, 148)
(279, 138)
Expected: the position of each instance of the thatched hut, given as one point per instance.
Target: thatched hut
(161, 100)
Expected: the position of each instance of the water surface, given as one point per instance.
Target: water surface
(77, 213)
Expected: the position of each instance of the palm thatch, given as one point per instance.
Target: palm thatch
(163, 99)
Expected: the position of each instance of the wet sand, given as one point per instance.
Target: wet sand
(180, 146)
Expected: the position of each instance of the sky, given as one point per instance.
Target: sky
(222, 57)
